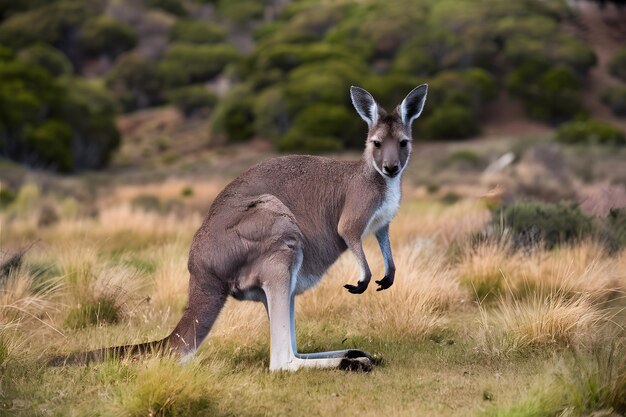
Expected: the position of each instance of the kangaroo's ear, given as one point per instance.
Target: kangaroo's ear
(413, 104)
(365, 105)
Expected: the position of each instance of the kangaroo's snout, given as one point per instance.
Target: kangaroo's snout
(391, 169)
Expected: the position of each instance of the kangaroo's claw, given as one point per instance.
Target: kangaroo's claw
(384, 283)
(357, 289)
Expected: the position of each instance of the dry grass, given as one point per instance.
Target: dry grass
(424, 291)
(543, 301)
(539, 322)
(21, 301)
(492, 269)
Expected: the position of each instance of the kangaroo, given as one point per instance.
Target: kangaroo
(274, 231)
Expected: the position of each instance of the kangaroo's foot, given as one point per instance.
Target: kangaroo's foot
(361, 364)
(384, 283)
(359, 288)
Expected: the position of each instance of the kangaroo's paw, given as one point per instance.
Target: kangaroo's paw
(361, 364)
(385, 283)
(357, 289)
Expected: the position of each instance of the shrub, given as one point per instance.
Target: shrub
(590, 131)
(233, 118)
(617, 64)
(191, 99)
(90, 111)
(551, 94)
(105, 36)
(320, 127)
(449, 122)
(575, 54)
(134, 81)
(48, 58)
(193, 31)
(188, 63)
(552, 224)
(615, 99)
(64, 123)
(52, 143)
(54, 23)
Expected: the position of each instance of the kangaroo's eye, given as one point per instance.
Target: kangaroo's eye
(403, 143)
(376, 143)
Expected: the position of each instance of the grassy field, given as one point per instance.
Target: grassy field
(467, 329)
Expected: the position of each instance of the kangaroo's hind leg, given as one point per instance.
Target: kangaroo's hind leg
(279, 272)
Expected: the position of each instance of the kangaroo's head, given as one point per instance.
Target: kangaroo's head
(388, 145)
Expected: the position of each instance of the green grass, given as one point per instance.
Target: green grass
(102, 310)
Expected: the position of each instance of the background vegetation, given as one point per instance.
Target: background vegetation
(281, 72)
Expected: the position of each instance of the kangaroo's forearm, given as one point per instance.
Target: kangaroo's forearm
(382, 235)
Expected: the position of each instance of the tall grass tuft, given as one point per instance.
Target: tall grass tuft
(165, 388)
(21, 300)
(519, 326)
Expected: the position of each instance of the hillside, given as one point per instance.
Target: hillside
(280, 72)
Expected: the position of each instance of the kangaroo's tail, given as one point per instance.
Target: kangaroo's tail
(161, 347)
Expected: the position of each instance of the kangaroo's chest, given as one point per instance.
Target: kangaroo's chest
(387, 210)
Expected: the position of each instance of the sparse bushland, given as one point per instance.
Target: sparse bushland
(431, 334)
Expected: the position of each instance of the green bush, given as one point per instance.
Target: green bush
(191, 99)
(320, 127)
(617, 64)
(134, 82)
(577, 55)
(615, 99)
(55, 23)
(46, 57)
(548, 93)
(271, 115)
(52, 143)
(187, 63)
(450, 121)
(59, 122)
(194, 31)
(551, 224)
(90, 111)
(585, 132)
(233, 118)
(105, 36)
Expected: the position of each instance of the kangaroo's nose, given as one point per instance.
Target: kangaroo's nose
(391, 170)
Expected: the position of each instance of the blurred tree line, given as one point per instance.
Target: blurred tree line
(292, 88)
